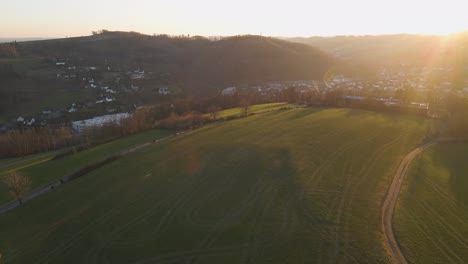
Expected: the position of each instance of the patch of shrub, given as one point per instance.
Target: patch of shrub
(186, 121)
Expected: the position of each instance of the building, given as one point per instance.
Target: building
(98, 121)
(229, 91)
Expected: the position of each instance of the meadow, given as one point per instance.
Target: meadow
(431, 220)
(257, 109)
(286, 186)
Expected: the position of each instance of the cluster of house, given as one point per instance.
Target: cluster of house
(272, 87)
(21, 120)
(382, 89)
(229, 91)
(136, 74)
(385, 101)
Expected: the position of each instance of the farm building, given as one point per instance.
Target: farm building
(98, 121)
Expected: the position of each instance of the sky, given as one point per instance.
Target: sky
(65, 18)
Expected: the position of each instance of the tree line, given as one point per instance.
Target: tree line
(185, 113)
(8, 50)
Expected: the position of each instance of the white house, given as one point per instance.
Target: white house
(29, 123)
(164, 90)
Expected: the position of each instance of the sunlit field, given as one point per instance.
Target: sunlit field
(287, 186)
(431, 219)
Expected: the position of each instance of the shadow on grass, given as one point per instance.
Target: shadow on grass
(453, 157)
(249, 189)
(303, 112)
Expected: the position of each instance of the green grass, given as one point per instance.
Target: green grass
(257, 109)
(43, 173)
(296, 186)
(11, 164)
(431, 219)
(22, 64)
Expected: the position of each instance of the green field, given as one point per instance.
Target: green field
(257, 109)
(294, 186)
(43, 173)
(11, 164)
(431, 220)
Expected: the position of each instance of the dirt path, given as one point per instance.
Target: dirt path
(390, 202)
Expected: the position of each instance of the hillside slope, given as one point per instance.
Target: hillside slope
(193, 62)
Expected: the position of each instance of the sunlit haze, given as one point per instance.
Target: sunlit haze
(54, 18)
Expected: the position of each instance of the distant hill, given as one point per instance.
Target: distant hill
(395, 50)
(5, 40)
(196, 64)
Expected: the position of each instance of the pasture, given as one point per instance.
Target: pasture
(257, 109)
(431, 220)
(291, 186)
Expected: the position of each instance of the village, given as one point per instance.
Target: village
(112, 85)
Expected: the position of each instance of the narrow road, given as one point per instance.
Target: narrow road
(390, 202)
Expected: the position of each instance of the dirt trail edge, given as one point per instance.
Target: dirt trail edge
(390, 202)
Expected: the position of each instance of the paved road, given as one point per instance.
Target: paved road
(390, 202)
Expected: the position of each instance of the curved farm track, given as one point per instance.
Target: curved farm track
(390, 202)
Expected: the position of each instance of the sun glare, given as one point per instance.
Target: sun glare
(208, 17)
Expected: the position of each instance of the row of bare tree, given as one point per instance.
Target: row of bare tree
(32, 140)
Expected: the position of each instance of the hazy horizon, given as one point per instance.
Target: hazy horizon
(59, 19)
(10, 39)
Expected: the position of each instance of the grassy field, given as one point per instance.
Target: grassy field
(11, 164)
(294, 186)
(257, 109)
(42, 170)
(431, 220)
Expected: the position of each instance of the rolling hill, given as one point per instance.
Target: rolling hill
(395, 51)
(287, 186)
(191, 66)
(195, 63)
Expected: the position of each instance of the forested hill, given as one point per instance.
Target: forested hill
(195, 63)
(387, 50)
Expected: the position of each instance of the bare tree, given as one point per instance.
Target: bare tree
(214, 110)
(245, 105)
(18, 184)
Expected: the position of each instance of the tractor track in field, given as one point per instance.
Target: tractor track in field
(389, 205)
(364, 175)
